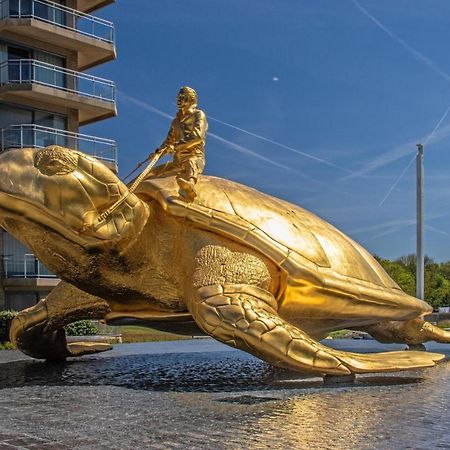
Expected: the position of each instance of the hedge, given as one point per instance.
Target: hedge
(81, 328)
(6, 318)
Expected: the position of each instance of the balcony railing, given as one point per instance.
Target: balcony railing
(23, 71)
(36, 136)
(58, 15)
(25, 266)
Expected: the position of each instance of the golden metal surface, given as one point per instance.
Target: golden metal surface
(253, 271)
(186, 141)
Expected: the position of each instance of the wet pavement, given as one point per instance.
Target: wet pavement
(202, 394)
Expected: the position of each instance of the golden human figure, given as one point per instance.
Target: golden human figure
(186, 141)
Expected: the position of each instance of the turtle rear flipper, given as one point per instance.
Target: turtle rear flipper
(245, 317)
(39, 331)
(411, 332)
(387, 361)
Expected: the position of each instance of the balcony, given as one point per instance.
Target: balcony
(36, 136)
(91, 37)
(25, 266)
(27, 81)
(91, 5)
(26, 273)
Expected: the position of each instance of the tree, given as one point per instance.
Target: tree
(437, 278)
(400, 274)
(437, 289)
(408, 261)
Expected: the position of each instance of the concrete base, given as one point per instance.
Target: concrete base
(417, 347)
(333, 379)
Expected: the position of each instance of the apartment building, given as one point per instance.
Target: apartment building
(45, 97)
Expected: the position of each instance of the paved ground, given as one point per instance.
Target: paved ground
(201, 394)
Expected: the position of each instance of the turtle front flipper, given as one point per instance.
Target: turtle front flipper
(245, 317)
(39, 331)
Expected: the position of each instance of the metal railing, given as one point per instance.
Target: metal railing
(37, 136)
(60, 16)
(25, 266)
(20, 71)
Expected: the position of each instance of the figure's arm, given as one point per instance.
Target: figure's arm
(170, 140)
(197, 135)
(168, 144)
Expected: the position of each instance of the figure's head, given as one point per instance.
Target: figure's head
(186, 98)
(57, 195)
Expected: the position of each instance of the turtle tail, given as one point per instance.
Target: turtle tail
(411, 332)
(437, 334)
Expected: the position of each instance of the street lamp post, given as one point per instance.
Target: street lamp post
(420, 273)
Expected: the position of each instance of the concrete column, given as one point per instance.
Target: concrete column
(73, 123)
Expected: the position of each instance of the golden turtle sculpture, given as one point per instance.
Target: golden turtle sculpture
(252, 271)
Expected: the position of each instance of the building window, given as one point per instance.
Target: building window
(18, 300)
(12, 115)
(50, 120)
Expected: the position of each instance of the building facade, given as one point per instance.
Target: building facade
(45, 97)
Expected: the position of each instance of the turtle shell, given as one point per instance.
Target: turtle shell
(319, 262)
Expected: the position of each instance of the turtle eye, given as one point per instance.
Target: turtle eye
(55, 160)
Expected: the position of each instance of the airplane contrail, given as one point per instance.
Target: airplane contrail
(247, 151)
(394, 185)
(429, 137)
(412, 51)
(437, 125)
(398, 152)
(279, 144)
(404, 149)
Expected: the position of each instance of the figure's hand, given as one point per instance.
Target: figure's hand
(161, 151)
(158, 151)
(167, 149)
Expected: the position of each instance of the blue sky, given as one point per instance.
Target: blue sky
(354, 84)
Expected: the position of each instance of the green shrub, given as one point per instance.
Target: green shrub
(6, 346)
(81, 328)
(5, 321)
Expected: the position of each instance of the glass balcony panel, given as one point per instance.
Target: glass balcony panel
(91, 28)
(28, 137)
(48, 75)
(42, 11)
(30, 266)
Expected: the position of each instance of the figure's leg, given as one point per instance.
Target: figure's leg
(188, 176)
(245, 316)
(39, 331)
(164, 170)
(412, 332)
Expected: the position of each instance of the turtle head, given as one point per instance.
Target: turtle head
(69, 194)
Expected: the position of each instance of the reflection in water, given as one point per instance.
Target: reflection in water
(221, 400)
(385, 413)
